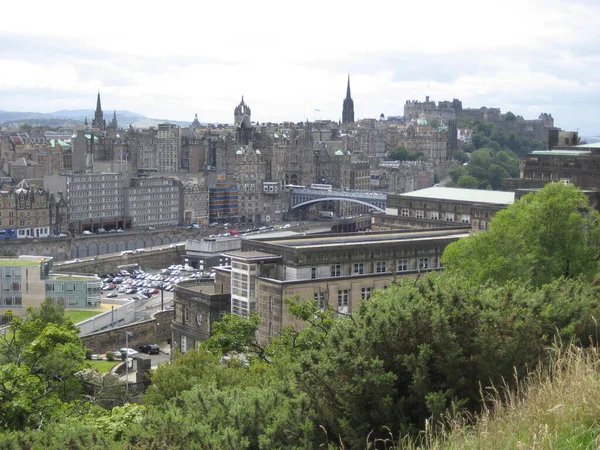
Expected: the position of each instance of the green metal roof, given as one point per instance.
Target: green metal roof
(592, 145)
(463, 195)
(561, 152)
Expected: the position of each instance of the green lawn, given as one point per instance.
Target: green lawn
(102, 366)
(16, 262)
(77, 315)
(76, 278)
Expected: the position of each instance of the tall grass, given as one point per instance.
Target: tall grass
(556, 407)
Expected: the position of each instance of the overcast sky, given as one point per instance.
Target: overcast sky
(171, 59)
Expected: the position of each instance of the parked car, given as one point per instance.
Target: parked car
(86, 232)
(101, 231)
(128, 351)
(151, 349)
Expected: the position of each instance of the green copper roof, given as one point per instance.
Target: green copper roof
(339, 152)
(561, 152)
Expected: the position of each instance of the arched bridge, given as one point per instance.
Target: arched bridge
(305, 196)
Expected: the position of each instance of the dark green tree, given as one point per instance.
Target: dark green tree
(543, 236)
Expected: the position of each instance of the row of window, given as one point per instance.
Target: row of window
(10, 301)
(435, 215)
(343, 297)
(403, 265)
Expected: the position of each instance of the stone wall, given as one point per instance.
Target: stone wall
(66, 248)
(149, 331)
(151, 259)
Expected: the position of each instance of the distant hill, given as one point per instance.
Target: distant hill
(590, 139)
(73, 117)
(76, 113)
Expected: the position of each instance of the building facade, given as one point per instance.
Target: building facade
(156, 202)
(336, 270)
(428, 207)
(27, 280)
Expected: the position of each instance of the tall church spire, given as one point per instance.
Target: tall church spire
(348, 88)
(98, 121)
(348, 109)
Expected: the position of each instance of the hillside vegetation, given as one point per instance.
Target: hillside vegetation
(468, 358)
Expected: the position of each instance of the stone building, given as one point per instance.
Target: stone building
(578, 166)
(83, 148)
(32, 211)
(168, 142)
(26, 211)
(197, 306)
(427, 208)
(402, 176)
(429, 110)
(260, 198)
(22, 168)
(267, 271)
(195, 203)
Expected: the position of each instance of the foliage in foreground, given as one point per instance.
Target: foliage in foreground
(545, 235)
(413, 352)
(555, 407)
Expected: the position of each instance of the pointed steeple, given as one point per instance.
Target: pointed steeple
(348, 88)
(113, 122)
(99, 105)
(348, 108)
(98, 121)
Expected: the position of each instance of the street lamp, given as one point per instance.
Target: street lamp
(127, 334)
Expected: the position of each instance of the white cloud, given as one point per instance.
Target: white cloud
(171, 60)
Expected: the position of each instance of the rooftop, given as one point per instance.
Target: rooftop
(464, 195)
(252, 255)
(362, 239)
(592, 145)
(199, 285)
(23, 261)
(579, 152)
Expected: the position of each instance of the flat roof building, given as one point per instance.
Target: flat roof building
(442, 206)
(336, 270)
(27, 280)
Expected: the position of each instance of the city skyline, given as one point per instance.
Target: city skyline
(171, 62)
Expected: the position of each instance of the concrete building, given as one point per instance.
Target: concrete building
(156, 202)
(27, 280)
(95, 200)
(209, 252)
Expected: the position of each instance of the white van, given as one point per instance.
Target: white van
(127, 252)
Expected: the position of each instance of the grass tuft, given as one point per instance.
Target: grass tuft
(556, 407)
